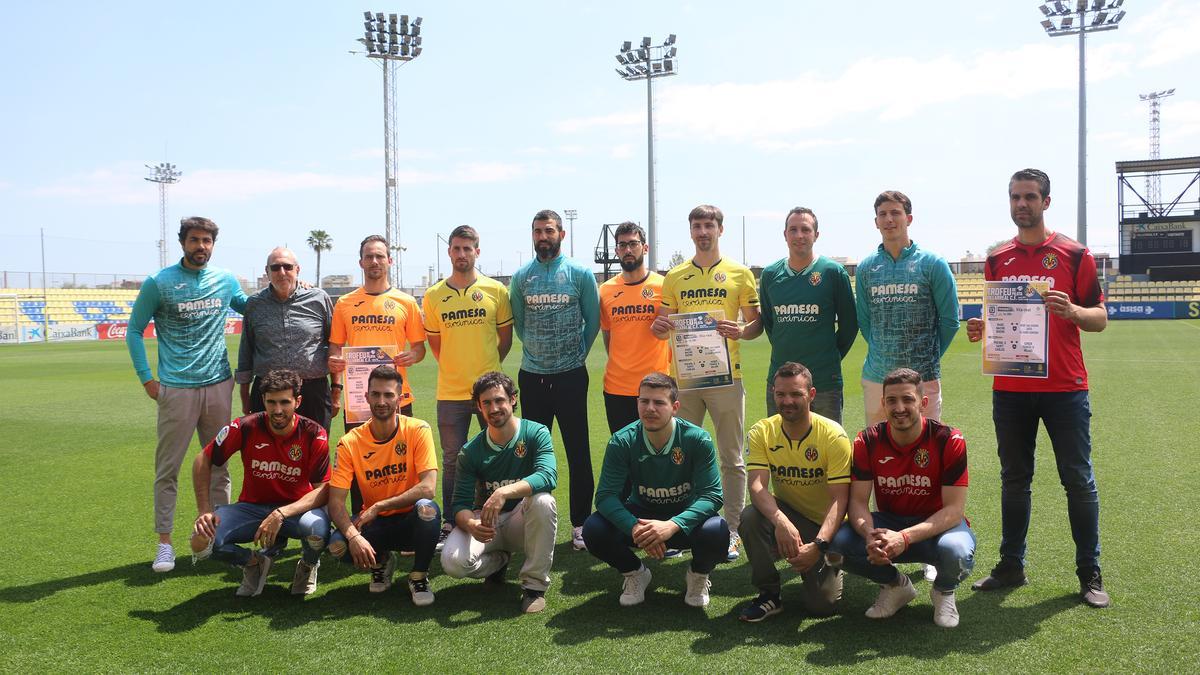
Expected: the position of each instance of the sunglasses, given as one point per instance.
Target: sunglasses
(282, 266)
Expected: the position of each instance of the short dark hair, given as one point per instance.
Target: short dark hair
(385, 372)
(1036, 175)
(629, 227)
(465, 232)
(491, 379)
(196, 223)
(374, 237)
(793, 369)
(707, 211)
(801, 210)
(903, 376)
(894, 196)
(546, 215)
(661, 381)
(280, 380)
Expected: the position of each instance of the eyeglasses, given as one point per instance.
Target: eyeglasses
(632, 243)
(282, 266)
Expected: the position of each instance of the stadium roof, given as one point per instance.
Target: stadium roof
(1148, 165)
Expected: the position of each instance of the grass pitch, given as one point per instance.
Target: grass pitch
(77, 592)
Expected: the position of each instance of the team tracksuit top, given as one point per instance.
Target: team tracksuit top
(556, 311)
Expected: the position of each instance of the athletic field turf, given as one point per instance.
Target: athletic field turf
(77, 592)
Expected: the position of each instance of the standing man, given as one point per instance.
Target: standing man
(710, 283)
(391, 460)
(468, 322)
(806, 458)
(194, 390)
(675, 496)
(808, 314)
(287, 327)
(907, 307)
(917, 469)
(1074, 303)
(285, 463)
(503, 501)
(556, 309)
(628, 304)
(377, 315)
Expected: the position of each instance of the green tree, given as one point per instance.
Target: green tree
(676, 259)
(319, 240)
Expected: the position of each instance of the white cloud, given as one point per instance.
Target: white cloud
(1169, 31)
(622, 151)
(804, 144)
(401, 153)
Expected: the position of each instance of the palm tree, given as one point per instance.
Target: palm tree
(319, 240)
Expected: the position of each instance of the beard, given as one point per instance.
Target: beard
(631, 264)
(546, 250)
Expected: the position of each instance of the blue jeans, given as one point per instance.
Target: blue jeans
(709, 542)
(454, 425)
(415, 531)
(827, 403)
(240, 521)
(951, 552)
(1067, 416)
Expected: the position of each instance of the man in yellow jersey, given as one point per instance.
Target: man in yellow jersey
(392, 461)
(628, 304)
(806, 458)
(377, 315)
(709, 283)
(468, 322)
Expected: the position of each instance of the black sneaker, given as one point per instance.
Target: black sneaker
(1003, 575)
(760, 608)
(1091, 587)
(442, 536)
(497, 578)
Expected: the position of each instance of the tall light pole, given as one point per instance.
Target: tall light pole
(399, 262)
(1153, 181)
(164, 174)
(1061, 18)
(390, 41)
(571, 215)
(646, 63)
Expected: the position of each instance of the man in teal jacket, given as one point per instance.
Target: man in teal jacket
(188, 302)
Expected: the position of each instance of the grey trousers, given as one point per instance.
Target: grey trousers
(530, 527)
(822, 583)
(181, 413)
(727, 405)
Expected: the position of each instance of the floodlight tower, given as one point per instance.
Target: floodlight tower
(164, 174)
(390, 41)
(1153, 183)
(1063, 19)
(648, 62)
(571, 214)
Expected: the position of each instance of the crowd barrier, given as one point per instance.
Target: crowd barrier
(63, 332)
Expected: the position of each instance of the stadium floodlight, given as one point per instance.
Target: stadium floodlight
(391, 41)
(571, 215)
(163, 173)
(1064, 20)
(648, 62)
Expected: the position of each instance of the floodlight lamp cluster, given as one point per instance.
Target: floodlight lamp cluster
(164, 172)
(392, 36)
(1081, 16)
(646, 60)
(1156, 95)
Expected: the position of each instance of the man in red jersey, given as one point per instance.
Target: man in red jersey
(917, 469)
(285, 458)
(1074, 303)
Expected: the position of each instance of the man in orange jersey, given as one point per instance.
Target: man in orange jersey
(391, 459)
(377, 315)
(628, 304)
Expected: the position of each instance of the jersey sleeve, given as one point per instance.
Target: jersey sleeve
(420, 440)
(757, 442)
(668, 292)
(706, 483)
(245, 360)
(319, 470)
(227, 441)
(237, 297)
(837, 467)
(613, 474)
(414, 329)
(343, 471)
(337, 330)
(862, 306)
(605, 300)
(847, 314)
(504, 313)
(589, 307)
(945, 297)
(545, 467)
(516, 303)
(144, 307)
(860, 468)
(466, 478)
(765, 307)
(429, 305)
(954, 460)
(1087, 284)
(748, 294)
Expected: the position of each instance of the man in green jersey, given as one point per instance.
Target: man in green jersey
(502, 496)
(808, 313)
(806, 458)
(676, 492)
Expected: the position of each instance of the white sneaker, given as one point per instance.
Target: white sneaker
(735, 542)
(254, 577)
(304, 581)
(577, 539)
(930, 573)
(419, 589)
(634, 590)
(697, 589)
(945, 612)
(164, 558)
(381, 577)
(891, 598)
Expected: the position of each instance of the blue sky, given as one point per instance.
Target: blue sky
(515, 107)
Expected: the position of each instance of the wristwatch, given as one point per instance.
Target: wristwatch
(822, 545)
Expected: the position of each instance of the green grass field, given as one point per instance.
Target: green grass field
(77, 592)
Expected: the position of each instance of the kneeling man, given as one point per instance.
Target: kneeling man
(285, 461)
(806, 458)
(392, 461)
(513, 462)
(918, 470)
(671, 465)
